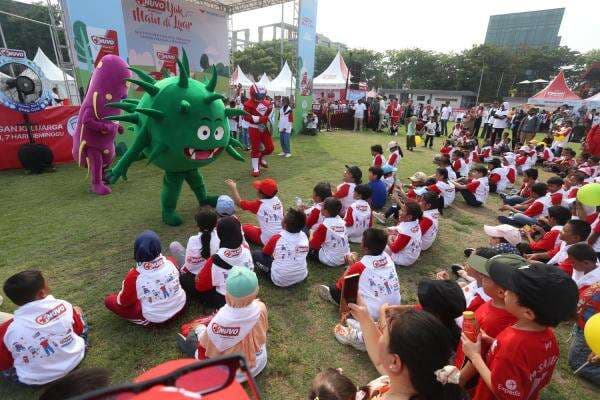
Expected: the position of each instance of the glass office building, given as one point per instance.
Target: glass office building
(525, 29)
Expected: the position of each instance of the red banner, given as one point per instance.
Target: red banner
(53, 127)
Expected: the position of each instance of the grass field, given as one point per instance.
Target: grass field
(83, 244)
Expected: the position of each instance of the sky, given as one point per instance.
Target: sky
(432, 25)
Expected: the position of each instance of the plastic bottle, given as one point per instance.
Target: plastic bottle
(470, 326)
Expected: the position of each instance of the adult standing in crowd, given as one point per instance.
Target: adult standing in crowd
(490, 121)
(527, 127)
(478, 118)
(359, 114)
(444, 117)
(469, 120)
(500, 121)
(382, 108)
(285, 127)
(375, 114)
(408, 112)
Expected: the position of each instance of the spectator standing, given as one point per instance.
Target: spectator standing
(444, 117)
(285, 127)
(359, 113)
(500, 121)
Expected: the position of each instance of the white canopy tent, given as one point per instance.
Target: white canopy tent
(334, 77)
(264, 80)
(238, 77)
(593, 102)
(57, 77)
(283, 84)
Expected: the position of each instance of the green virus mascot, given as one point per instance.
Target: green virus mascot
(181, 125)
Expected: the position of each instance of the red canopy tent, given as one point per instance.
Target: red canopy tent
(556, 93)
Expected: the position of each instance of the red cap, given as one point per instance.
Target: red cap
(266, 186)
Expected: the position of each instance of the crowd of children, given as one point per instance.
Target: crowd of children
(541, 259)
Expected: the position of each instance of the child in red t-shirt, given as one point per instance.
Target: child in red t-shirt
(558, 216)
(522, 359)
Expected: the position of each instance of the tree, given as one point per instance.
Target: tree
(24, 35)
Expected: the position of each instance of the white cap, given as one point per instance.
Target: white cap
(507, 232)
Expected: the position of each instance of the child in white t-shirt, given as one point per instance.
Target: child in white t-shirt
(321, 191)
(283, 258)
(267, 207)
(45, 338)
(404, 243)
(329, 242)
(191, 259)
(358, 216)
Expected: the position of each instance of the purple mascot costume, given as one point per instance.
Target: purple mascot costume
(94, 138)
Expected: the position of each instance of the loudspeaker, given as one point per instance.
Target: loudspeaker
(356, 71)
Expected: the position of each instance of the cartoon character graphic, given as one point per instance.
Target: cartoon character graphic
(94, 137)
(164, 291)
(46, 346)
(181, 125)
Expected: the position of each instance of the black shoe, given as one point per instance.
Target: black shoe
(468, 251)
(455, 268)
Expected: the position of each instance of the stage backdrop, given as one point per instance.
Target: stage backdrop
(53, 126)
(307, 32)
(149, 34)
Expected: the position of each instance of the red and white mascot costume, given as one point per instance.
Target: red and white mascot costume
(259, 109)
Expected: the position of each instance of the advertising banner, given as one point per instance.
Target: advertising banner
(305, 67)
(157, 30)
(53, 127)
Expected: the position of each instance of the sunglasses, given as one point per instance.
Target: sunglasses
(201, 378)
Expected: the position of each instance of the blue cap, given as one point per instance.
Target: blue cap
(225, 206)
(388, 169)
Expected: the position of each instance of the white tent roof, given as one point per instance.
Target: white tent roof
(525, 82)
(594, 101)
(50, 70)
(283, 84)
(238, 77)
(334, 77)
(264, 80)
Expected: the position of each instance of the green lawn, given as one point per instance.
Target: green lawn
(83, 243)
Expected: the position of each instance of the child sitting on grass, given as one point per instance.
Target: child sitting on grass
(329, 242)
(529, 214)
(210, 282)
(45, 339)
(549, 228)
(432, 206)
(267, 207)
(404, 243)
(283, 258)
(358, 217)
(378, 285)
(523, 195)
(321, 191)
(503, 238)
(199, 248)
(151, 292)
(379, 192)
(475, 191)
(240, 325)
(523, 356)
(443, 187)
(389, 178)
(345, 191)
(377, 153)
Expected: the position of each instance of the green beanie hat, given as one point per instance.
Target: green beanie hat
(241, 282)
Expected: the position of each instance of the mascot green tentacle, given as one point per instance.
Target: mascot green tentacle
(181, 125)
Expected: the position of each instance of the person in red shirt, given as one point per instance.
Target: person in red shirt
(447, 148)
(558, 216)
(492, 316)
(555, 184)
(321, 191)
(536, 209)
(592, 141)
(523, 356)
(522, 197)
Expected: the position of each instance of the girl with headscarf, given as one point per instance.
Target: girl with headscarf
(151, 292)
(240, 326)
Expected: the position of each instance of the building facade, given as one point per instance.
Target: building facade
(525, 29)
(456, 98)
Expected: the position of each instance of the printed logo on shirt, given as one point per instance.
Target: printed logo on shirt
(338, 229)
(232, 253)
(51, 315)
(150, 265)
(302, 249)
(362, 207)
(277, 206)
(225, 330)
(510, 388)
(382, 262)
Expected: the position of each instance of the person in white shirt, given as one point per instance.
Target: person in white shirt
(283, 258)
(382, 110)
(430, 127)
(151, 292)
(311, 122)
(329, 242)
(191, 259)
(444, 117)
(358, 216)
(404, 243)
(377, 285)
(501, 121)
(285, 127)
(476, 189)
(359, 114)
(44, 340)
